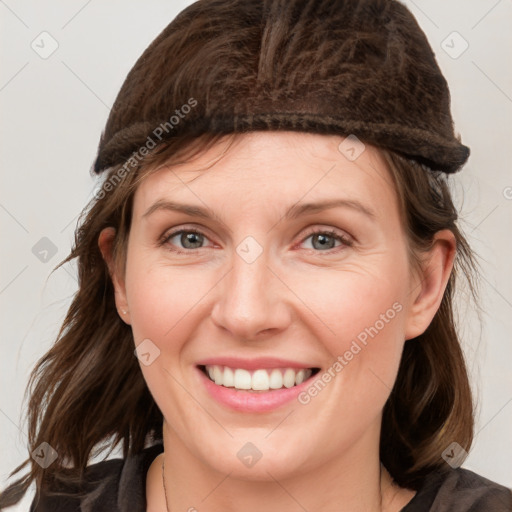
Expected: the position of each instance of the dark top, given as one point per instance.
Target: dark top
(119, 485)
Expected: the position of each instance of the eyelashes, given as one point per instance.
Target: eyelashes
(326, 234)
(335, 235)
(166, 239)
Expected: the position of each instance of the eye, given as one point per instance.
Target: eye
(324, 240)
(190, 239)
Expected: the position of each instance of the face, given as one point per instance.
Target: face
(229, 273)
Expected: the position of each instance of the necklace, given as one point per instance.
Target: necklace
(390, 485)
(167, 501)
(165, 490)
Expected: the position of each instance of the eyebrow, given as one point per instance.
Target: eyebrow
(188, 209)
(303, 208)
(293, 212)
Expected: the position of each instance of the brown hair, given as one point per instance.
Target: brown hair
(87, 393)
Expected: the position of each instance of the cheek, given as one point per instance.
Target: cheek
(362, 313)
(164, 304)
(365, 316)
(160, 299)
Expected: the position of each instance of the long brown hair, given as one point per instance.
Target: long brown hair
(87, 393)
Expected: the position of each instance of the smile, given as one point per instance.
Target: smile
(258, 388)
(262, 379)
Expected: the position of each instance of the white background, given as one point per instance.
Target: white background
(52, 114)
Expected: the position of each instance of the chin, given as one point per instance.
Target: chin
(255, 458)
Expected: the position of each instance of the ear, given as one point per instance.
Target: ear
(430, 283)
(106, 243)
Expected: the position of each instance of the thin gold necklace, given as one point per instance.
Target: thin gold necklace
(165, 490)
(167, 501)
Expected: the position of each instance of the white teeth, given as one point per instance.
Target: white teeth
(258, 380)
(276, 379)
(229, 378)
(299, 378)
(242, 379)
(218, 375)
(289, 378)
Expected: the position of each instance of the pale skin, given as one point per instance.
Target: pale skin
(296, 300)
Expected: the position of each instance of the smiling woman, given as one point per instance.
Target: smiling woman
(264, 316)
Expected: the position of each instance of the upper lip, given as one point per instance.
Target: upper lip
(254, 363)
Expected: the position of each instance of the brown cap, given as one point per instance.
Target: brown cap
(361, 67)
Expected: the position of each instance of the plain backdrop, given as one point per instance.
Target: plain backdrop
(53, 108)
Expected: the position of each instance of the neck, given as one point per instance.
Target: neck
(353, 482)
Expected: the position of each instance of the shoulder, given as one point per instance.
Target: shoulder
(460, 490)
(114, 485)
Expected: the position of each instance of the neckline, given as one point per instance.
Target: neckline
(131, 490)
(424, 496)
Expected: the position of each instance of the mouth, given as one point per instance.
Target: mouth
(260, 380)
(258, 385)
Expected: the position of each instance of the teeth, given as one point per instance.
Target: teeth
(289, 378)
(276, 379)
(242, 379)
(228, 378)
(258, 380)
(299, 378)
(218, 375)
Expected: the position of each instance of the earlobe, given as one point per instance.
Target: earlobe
(430, 285)
(106, 244)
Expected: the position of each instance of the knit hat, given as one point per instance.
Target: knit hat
(345, 67)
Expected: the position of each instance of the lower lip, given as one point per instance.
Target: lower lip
(247, 401)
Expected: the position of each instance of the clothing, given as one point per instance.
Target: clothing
(363, 69)
(121, 487)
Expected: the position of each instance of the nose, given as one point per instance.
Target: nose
(251, 301)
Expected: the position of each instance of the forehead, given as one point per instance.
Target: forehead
(274, 167)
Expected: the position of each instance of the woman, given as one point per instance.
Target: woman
(264, 314)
